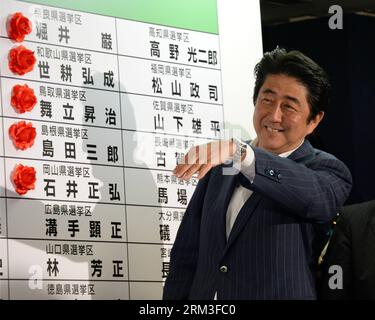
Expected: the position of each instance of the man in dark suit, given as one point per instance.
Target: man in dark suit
(253, 228)
(348, 269)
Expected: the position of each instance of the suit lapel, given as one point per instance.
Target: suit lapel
(371, 210)
(243, 216)
(304, 153)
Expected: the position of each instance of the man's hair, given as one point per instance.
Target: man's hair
(295, 64)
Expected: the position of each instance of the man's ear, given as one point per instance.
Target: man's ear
(314, 122)
(319, 117)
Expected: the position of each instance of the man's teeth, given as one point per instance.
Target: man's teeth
(273, 130)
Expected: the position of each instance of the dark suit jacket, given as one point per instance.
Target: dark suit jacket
(271, 252)
(352, 247)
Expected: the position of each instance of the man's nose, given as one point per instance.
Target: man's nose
(276, 113)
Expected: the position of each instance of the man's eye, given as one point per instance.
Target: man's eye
(289, 107)
(266, 100)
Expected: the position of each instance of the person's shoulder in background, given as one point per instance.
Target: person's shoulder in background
(348, 269)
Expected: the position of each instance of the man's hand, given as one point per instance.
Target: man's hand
(204, 157)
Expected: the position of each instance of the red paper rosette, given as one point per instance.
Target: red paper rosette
(18, 27)
(23, 98)
(23, 134)
(21, 60)
(24, 178)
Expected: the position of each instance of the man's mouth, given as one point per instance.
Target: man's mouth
(273, 130)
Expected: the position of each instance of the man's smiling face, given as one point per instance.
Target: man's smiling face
(281, 113)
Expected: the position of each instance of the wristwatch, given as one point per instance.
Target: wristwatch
(240, 152)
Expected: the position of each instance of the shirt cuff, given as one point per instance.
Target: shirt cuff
(248, 164)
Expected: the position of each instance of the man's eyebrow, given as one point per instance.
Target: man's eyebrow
(269, 91)
(295, 100)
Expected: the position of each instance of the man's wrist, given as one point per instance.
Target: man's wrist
(240, 149)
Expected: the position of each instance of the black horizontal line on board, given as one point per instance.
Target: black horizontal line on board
(84, 280)
(109, 128)
(88, 241)
(88, 202)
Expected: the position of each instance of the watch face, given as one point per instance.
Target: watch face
(243, 149)
(240, 147)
